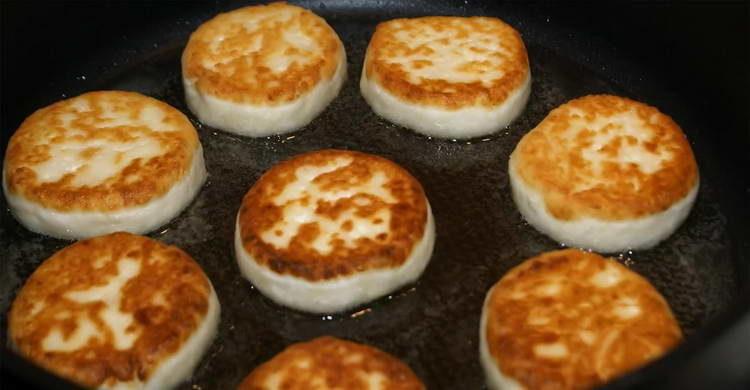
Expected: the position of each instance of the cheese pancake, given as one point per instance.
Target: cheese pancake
(331, 363)
(261, 70)
(102, 162)
(606, 173)
(570, 319)
(450, 77)
(116, 311)
(328, 230)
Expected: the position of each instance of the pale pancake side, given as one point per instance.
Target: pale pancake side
(109, 309)
(100, 151)
(331, 363)
(606, 157)
(572, 319)
(447, 62)
(332, 213)
(262, 55)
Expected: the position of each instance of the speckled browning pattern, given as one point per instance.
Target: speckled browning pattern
(394, 60)
(558, 158)
(571, 319)
(233, 55)
(330, 363)
(166, 300)
(406, 226)
(84, 120)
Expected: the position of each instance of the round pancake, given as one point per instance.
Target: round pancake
(570, 319)
(328, 230)
(450, 77)
(606, 173)
(331, 363)
(261, 70)
(116, 311)
(102, 162)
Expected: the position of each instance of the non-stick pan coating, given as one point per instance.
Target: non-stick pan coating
(432, 325)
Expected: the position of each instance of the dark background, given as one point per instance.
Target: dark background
(698, 50)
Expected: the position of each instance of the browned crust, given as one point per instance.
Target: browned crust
(258, 213)
(136, 184)
(165, 270)
(244, 78)
(579, 306)
(438, 92)
(554, 165)
(331, 360)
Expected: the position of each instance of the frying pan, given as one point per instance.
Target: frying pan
(689, 60)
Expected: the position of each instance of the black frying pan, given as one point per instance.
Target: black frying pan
(688, 60)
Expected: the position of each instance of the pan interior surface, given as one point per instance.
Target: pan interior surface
(432, 325)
